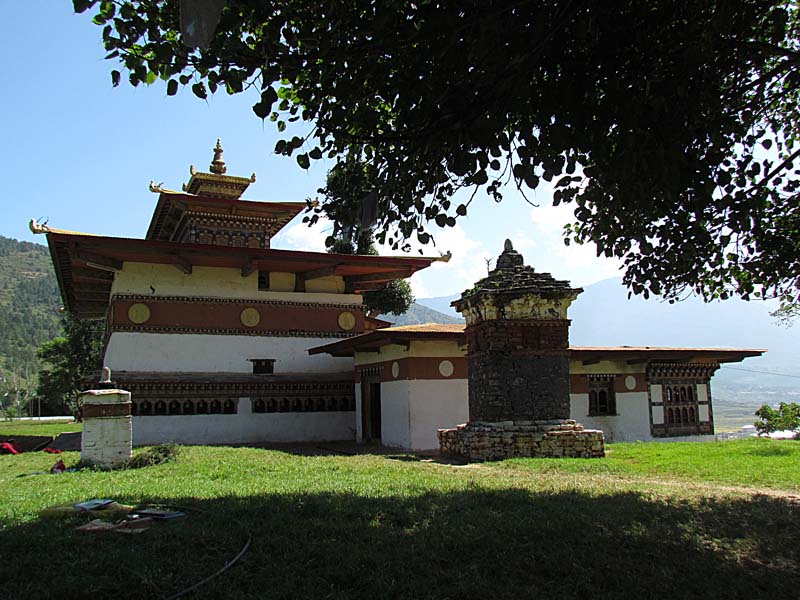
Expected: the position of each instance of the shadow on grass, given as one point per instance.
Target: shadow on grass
(468, 544)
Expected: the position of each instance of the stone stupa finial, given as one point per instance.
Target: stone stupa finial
(218, 164)
(508, 246)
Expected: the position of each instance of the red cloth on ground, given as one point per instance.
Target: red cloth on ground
(8, 448)
(52, 451)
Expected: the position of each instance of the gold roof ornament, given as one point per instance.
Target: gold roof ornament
(218, 164)
(217, 184)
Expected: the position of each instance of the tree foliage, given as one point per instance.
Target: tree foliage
(670, 126)
(785, 418)
(70, 361)
(345, 200)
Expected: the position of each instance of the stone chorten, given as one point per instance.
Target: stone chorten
(518, 339)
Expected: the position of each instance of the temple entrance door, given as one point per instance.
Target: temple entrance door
(371, 411)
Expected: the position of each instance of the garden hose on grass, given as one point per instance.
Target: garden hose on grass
(224, 567)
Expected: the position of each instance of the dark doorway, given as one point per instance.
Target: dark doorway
(371, 411)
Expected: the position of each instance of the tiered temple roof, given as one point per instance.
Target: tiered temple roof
(210, 210)
(207, 225)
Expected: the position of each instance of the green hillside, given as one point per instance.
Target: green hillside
(29, 303)
(418, 313)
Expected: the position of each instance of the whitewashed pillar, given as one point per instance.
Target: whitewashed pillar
(106, 441)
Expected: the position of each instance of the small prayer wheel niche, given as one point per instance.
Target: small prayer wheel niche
(107, 438)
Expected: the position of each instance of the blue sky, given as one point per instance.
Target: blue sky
(81, 153)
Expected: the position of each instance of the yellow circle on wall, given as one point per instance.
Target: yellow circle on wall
(347, 320)
(250, 317)
(139, 313)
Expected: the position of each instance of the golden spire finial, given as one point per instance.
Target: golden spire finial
(218, 164)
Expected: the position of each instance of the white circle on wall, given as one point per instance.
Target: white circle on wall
(630, 382)
(446, 368)
(395, 369)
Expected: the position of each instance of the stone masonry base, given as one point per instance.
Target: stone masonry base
(478, 440)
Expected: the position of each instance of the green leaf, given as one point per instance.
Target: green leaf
(115, 75)
(302, 160)
(199, 90)
(151, 78)
(82, 5)
(172, 87)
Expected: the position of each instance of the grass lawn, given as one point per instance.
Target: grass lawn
(373, 526)
(753, 462)
(10, 428)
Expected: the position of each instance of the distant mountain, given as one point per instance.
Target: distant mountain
(420, 314)
(29, 303)
(442, 304)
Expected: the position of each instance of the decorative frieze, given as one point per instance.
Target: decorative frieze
(418, 367)
(235, 389)
(217, 300)
(661, 372)
(227, 316)
(210, 397)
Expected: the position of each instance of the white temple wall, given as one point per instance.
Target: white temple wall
(164, 352)
(632, 421)
(435, 404)
(395, 425)
(244, 427)
(218, 282)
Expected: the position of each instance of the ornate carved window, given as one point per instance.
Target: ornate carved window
(678, 401)
(602, 400)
